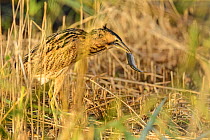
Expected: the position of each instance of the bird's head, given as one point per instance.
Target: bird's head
(104, 38)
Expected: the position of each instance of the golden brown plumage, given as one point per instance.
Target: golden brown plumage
(53, 58)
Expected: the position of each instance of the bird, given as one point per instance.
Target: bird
(53, 58)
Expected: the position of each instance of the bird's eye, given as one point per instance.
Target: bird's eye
(101, 35)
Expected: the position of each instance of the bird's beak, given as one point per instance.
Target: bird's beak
(122, 46)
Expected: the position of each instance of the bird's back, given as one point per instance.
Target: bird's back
(55, 55)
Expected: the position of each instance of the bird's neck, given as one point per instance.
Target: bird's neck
(95, 48)
(89, 49)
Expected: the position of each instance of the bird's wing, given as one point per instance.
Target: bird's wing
(55, 41)
(62, 38)
(33, 51)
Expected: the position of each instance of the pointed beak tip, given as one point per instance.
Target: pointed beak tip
(121, 45)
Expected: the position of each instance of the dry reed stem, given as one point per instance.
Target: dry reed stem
(109, 81)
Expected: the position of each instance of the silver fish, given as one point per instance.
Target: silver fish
(131, 62)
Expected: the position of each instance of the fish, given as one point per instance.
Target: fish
(131, 62)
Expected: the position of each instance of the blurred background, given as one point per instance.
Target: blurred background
(170, 42)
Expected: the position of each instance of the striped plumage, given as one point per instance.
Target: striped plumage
(54, 57)
(61, 49)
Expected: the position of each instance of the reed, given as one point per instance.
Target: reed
(102, 98)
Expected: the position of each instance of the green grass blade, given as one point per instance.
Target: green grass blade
(151, 121)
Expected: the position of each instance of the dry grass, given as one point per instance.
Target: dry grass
(107, 99)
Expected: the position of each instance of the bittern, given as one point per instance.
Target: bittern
(51, 59)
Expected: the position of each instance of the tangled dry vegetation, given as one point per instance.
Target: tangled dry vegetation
(118, 103)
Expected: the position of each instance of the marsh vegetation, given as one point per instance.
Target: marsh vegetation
(102, 97)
